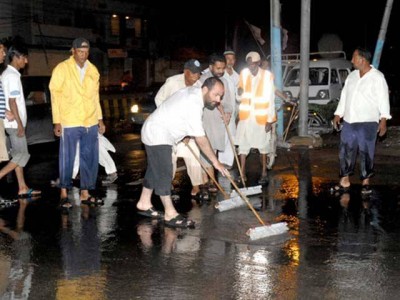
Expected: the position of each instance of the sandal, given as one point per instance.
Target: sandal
(8, 203)
(30, 193)
(65, 203)
(201, 196)
(179, 222)
(366, 189)
(92, 201)
(340, 188)
(151, 213)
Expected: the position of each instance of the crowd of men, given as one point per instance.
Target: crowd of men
(207, 117)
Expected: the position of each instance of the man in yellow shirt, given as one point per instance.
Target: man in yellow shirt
(77, 117)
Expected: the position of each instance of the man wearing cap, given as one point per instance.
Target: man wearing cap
(189, 77)
(77, 117)
(256, 112)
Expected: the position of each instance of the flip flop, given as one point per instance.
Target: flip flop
(30, 193)
(340, 188)
(151, 213)
(180, 222)
(65, 203)
(92, 201)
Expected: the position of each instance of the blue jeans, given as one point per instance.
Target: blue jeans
(89, 156)
(357, 138)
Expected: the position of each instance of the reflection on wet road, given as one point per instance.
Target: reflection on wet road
(340, 246)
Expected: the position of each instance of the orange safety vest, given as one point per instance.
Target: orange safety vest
(261, 102)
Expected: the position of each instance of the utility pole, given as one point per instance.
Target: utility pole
(382, 34)
(304, 66)
(276, 58)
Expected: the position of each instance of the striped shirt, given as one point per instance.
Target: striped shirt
(2, 103)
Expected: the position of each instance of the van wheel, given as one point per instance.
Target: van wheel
(315, 120)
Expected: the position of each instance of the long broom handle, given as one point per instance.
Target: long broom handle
(226, 196)
(245, 200)
(232, 145)
(292, 117)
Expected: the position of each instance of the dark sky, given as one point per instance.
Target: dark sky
(206, 26)
(355, 21)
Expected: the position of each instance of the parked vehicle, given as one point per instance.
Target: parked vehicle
(39, 128)
(326, 78)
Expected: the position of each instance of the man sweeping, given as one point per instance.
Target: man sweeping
(178, 117)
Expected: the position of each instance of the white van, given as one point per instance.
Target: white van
(326, 77)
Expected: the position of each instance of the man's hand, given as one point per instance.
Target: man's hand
(102, 127)
(21, 131)
(382, 128)
(220, 167)
(268, 127)
(57, 129)
(336, 122)
(9, 116)
(240, 91)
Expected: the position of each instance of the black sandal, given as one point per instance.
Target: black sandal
(201, 196)
(180, 222)
(65, 203)
(92, 201)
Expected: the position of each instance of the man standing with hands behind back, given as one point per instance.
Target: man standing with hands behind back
(77, 117)
(364, 107)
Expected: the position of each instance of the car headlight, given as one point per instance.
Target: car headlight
(288, 94)
(323, 94)
(134, 108)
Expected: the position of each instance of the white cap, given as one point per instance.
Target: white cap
(254, 56)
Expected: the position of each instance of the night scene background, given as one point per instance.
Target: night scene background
(131, 35)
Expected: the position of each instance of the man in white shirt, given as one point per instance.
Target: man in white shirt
(364, 107)
(178, 117)
(232, 78)
(15, 102)
(189, 77)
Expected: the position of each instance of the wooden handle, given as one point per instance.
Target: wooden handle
(226, 196)
(232, 145)
(245, 199)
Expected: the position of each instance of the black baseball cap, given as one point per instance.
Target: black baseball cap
(193, 65)
(80, 43)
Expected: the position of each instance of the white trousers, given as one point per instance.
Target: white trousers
(227, 156)
(193, 166)
(105, 158)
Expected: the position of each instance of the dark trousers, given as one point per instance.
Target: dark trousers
(158, 175)
(357, 138)
(88, 156)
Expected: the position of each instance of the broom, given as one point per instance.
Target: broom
(253, 233)
(245, 190)
(265, 230)
(228, 203)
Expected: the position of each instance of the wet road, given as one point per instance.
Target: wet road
(340, 246)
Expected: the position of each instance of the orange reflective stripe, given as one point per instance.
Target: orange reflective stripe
(244, 109)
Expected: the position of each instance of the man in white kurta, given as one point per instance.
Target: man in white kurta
(189, 77)
(256, 112)
(232, 77)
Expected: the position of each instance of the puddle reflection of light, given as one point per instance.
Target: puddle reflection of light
(253, 275)
(290, 186)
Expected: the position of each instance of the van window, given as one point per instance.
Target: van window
(343, 73)
(334, 76)
(318, 76)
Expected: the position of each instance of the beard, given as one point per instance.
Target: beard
(210, 105)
